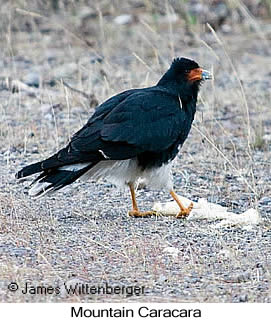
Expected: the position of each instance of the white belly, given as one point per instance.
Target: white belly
(122, 172)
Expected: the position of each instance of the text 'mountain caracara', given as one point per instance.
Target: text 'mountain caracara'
(132, 136)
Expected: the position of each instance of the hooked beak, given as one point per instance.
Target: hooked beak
(198, 74)
(206, 75)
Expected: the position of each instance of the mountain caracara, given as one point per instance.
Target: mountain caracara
(132, 136)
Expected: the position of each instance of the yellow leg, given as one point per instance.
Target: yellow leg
(185, 211)
(135, 212)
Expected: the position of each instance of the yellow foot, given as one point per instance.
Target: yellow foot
(138, 214)
(185, 212)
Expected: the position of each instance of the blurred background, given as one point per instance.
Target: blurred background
(61, 58)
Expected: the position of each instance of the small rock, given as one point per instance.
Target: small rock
(170, 18)
(265, 200)
(226, 28)
(86, 12)
(267, 137)
(123, 19)
(243, 298)
(32, 79)
(225, 254)
(96, 59)
(171, 251)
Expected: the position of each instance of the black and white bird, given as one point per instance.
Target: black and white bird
(133, 136)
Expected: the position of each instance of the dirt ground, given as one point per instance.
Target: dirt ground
(83, 235)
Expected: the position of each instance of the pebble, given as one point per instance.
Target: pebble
(123, 19)
(266, 200)
(32, 79)
(91, 220)
(96, 59)
(243, 298)
(171, 251)
(267, 137)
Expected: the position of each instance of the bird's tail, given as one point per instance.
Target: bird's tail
(53, 179)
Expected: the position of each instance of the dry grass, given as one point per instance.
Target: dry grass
(85, 233)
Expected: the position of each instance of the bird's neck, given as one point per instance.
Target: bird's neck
(183, 91)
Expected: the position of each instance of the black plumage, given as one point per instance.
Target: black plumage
(143, 127)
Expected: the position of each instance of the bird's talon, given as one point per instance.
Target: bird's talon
(138, 214)
(182, 215)
(185, 212)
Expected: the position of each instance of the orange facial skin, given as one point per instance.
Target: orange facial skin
(195, 75)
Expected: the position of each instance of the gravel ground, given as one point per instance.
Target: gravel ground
(83, 235)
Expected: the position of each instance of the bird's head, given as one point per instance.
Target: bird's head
(185, 69)
(185, 75)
